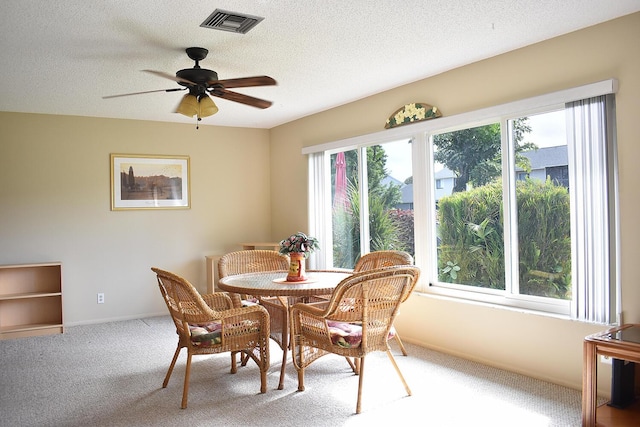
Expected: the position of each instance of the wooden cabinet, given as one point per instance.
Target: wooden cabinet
(623, 343)
(30, 300)
(627, 417)
(273, 246)
(211, 262)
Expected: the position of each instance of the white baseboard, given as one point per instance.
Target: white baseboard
(115, 319)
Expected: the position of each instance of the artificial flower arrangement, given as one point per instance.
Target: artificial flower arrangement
(410, 113)
(300, 243)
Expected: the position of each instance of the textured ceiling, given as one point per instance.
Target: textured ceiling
(61, 57)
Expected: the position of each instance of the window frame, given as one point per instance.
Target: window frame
(424, 183)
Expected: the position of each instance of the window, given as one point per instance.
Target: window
(372, 204)
(469, 219)
(559, 175)
(542, 207)
(345, 209)
(475, 235)
(513, 205)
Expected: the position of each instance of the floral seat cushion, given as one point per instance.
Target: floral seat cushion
(348, 335)
(250, 301)
(209, 334)
(206, 334)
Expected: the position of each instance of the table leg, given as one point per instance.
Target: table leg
(589, 384)
(285, 340)
(278, 308)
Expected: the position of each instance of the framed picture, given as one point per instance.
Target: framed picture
(149, 182)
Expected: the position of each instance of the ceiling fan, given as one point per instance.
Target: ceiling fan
(201, 82)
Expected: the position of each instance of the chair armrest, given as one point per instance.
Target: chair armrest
(248, 312)
(218, 301)
(236, 299)
(252, 313)
(312, 309)
(319, 302)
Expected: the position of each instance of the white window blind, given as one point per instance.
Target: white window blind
(593, 228)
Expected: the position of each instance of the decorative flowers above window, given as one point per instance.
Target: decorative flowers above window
(410, 113)
(300, 243)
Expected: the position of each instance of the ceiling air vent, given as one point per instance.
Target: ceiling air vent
(231, 21)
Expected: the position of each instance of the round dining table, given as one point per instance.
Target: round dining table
(273, 283)
(274, 292)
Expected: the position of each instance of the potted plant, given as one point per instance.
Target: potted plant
(298, 246)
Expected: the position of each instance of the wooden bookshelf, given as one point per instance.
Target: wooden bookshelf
(30, 300)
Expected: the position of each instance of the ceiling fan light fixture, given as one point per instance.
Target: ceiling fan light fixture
(202, 82)
(188, 106)
(207, 106)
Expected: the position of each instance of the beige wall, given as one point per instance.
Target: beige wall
(545, 347)
(55, 193)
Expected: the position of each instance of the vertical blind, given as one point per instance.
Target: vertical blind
(593, 278)
(317, 205)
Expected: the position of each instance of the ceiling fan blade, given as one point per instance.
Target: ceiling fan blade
(244, 82)
(148, 91)
(170, 77)
(241, 98)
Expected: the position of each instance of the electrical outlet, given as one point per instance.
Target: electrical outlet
(100, 298)
(605, 359)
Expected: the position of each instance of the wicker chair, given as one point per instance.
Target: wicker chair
(379, 259)
(356, 322)
(252, 261)
(209, 324)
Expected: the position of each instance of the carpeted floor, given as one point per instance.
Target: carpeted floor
(111, 375)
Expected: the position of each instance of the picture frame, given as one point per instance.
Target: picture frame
(150, 182)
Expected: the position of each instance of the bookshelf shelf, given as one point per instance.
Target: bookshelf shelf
(30, 300)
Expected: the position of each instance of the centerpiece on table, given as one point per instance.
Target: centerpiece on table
(298, 246)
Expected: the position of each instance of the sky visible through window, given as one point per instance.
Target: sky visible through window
(548, 129)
